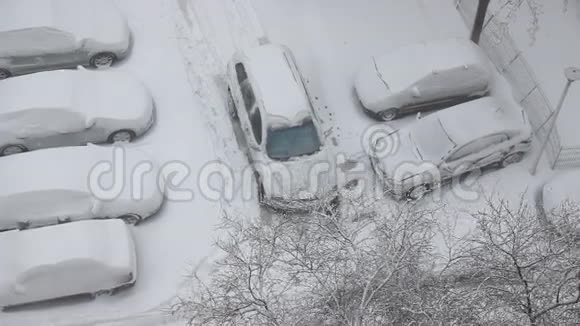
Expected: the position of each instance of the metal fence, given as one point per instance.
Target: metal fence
(511, 63)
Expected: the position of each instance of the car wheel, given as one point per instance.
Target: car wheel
(512, 159)
(261, 191)
(389, 114)
(103, 60)
(122, 136)
(101, 293)
(23, 225)
(12, 149)
(132, 219)
(4, 74)
(418, 192)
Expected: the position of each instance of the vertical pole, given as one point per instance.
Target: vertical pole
(479, 20)
(552, 126)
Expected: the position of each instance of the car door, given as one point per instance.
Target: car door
(41, 208)
(247, 109)
(40, 283)
(49, 127)
(61, 49)
(491, 150)
(20, 53)
(477, 154)
(256, 133)
(433, 88)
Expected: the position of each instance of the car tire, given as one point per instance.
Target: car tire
(103, 60)
(13, 150)
(4, 74)
(132, 219)
(260, 188)
(389, 114)
(123, 135)
(418, 192)
(23, 225)
(511, 159)
(101, 293)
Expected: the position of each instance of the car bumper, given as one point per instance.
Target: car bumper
(389, 186)
(284, 205)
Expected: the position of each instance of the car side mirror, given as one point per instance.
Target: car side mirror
(90, 123)
(415, 92)
(419, 116)
(83, 43)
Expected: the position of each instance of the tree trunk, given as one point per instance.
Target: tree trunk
(479, 20)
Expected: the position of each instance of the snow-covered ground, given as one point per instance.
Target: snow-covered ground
(181, 48)
(550, 49)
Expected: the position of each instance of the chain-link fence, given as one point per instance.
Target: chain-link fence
(510, 62)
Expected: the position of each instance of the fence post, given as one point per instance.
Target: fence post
(552, 126)
(557, 158)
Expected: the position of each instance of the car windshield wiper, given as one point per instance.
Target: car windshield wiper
(416, 148)
(380, 74)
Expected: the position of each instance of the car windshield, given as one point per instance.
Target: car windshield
(288, 142)
(431, 140)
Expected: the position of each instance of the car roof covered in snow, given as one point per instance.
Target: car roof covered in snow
(409, 64)
(469, 121)
(62, 169)
(51, 90)
(272, 71)
(107, 243)
(93, 94)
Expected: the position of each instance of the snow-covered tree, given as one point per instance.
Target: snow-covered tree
(378, 267)
(522, 270)
(505, 11)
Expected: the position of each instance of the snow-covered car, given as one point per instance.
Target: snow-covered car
(72, 107)
(87, 257)
(53, 34)
(560, 196)
(281, 129)
(450, 143)
(423, 76)
(77, 183)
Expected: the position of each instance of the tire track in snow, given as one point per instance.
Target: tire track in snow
(206, 47)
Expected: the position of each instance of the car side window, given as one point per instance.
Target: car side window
(256, 122)
(477, 146)
(35, 279)
(248, 95)
(43, 122)
(43, 40)
(241, 73)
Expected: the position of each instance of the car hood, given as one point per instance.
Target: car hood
(371, 89)
(304, 178)
(403, 163)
